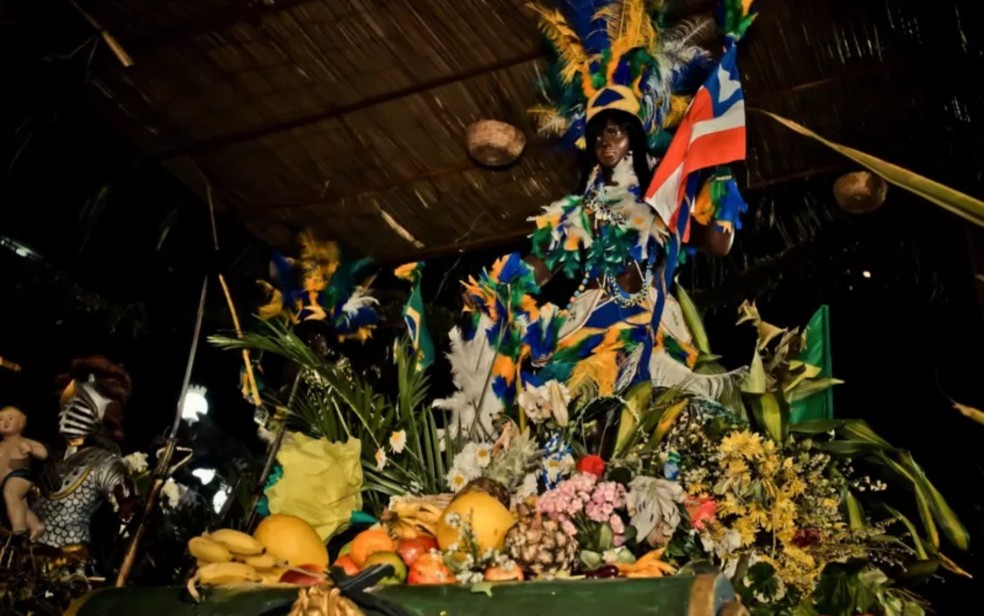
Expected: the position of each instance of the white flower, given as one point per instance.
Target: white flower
(380, 459)
(457, 479)
(728, 544)
(398, 441)
(527, 488)
(546, 402)
(442, 439)
(467, 460)
(483, 455)
(136, 462)
(556, 467)
(652, 503)
(172, 492)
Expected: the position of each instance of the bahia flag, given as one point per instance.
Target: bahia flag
(712, 133)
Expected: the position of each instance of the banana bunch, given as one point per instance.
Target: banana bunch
(408, 517)
(228, 556)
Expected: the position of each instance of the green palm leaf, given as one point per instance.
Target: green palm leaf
(951, 200)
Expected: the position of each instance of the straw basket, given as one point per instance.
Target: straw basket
(860, 192)
(494, 143)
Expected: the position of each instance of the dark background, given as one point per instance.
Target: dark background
(122, 250)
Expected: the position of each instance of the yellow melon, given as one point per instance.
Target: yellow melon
(488, 519)
(290, 538)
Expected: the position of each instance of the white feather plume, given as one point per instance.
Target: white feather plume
(359, 299)
(474, 406)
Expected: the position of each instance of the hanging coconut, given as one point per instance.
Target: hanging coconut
(860, 192)
(494, 143)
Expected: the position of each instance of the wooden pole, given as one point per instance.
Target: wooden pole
(271, 456)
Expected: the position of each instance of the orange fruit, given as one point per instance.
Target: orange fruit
(430, 569)
(367, 543)
(503, 574)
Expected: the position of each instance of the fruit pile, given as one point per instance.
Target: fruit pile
(284, 550)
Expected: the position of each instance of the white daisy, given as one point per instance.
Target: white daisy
(483, 455)
(442, 439)
(380, 459)
(398, 441)
(457, 479)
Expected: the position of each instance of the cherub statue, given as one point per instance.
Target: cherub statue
(16, 453)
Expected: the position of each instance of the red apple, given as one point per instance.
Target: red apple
(297, 576)
(411, 549)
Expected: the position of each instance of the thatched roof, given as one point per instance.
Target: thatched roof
(348, 116)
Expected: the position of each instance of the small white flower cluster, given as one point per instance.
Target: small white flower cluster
(865, 484)
(172, 493)
(468, 464)
(136, 462)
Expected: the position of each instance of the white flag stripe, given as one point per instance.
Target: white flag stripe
(734, 117)
(664, 200)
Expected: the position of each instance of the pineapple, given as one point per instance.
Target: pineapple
(539, 545)
(491, 487)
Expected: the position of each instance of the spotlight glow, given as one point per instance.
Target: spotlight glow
(195, 404)
(205, 475)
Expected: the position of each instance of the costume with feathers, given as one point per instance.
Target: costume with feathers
(320, 286)
(608, 55)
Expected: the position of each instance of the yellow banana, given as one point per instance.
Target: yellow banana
(209, 551)
(261, 562)
(272, 576)
(236, 542)
(218, 574)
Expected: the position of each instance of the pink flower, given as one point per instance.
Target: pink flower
(568, 527)
(700, 510)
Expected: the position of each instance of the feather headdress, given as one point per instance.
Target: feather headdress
(615, 54)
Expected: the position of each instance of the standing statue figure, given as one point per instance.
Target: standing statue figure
(641, 102)
(90, 469)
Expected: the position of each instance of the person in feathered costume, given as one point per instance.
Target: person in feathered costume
(619, 85)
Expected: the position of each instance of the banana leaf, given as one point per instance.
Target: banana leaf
(917, 541)
(772, 415)
(755, 381)
(949, 523)
(811, 386)
(953, 201)
(817, 426)
(693, 319)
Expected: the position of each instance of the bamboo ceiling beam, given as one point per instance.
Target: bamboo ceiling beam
(218, 19)
(341, 110)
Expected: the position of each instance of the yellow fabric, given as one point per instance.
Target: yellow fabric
(678, 108)
(322, 482)
(628, 103)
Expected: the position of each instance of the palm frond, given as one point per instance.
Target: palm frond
(337, 405)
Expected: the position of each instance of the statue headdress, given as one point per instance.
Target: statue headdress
(617, 55)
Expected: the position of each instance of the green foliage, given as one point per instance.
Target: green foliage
(334, 404)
